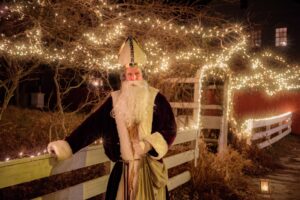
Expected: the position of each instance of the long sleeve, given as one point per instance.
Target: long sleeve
(92, 128)
(163, 121)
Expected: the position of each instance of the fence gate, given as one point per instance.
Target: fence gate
(209, 111)
(214, 115)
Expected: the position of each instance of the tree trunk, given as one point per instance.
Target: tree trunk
(9, 93)
(59, 100)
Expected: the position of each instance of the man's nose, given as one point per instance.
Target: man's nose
(134, 77)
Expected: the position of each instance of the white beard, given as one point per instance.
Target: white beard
(132, 102)
(130, 110)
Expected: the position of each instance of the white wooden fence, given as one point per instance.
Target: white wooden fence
(27, 169)
(264, 132)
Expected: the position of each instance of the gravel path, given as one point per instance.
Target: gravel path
(285, 182)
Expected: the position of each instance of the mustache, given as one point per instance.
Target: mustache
(140, 83)
(134, 84)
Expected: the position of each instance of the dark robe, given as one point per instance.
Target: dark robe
(102, 124)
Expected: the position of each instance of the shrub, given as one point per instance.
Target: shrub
(220, 176)
(29, 131)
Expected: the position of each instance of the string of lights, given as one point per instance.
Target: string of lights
(24, 154)
(268, 78)
(107, 35)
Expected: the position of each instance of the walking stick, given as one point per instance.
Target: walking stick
(126, 174)
(129, 175)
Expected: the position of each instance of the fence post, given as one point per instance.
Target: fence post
(196, 114)
(196, 111)
(196, 152)
(249, 131)
(290, 119)
(280, 124)
(268, 127)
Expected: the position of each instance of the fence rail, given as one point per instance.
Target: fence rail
(265, 132)
(24, 170)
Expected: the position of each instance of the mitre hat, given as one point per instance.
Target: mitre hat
(131, 53)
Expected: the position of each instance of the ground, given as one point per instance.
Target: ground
(284, 177)
(284, 181)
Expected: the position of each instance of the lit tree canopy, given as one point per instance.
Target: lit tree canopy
(88, 34)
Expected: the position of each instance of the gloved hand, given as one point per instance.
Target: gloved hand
(60, 148)
(140, 148)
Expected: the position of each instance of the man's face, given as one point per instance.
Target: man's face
(133, 74)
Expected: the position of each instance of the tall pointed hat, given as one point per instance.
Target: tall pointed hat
(131, 54)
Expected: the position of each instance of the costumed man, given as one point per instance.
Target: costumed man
(137, 126)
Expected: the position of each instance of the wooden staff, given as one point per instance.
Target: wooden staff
(128, 177)
(126, 173)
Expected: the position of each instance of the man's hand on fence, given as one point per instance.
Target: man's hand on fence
(60, 148)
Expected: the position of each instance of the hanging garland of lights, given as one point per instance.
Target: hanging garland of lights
(107, 36)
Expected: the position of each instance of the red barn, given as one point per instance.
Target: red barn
(260, 105)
